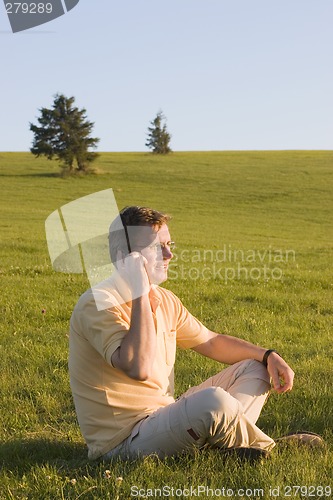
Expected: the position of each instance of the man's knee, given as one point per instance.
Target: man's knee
(212, 406)
(213, 399)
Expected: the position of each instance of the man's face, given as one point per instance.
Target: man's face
(154, 245)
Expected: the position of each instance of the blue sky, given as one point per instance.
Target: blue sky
(228, 74)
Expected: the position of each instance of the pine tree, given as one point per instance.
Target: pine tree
(64, 134)
(158, 137)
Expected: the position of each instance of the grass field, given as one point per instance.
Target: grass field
(254, 234)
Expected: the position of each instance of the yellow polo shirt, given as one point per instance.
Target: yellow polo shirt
(108, 403)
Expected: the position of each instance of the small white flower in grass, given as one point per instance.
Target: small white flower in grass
(73, 481)
(119, 480)
(107, 474)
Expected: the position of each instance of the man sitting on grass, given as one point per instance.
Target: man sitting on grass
(123, 339)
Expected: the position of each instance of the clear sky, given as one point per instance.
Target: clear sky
(228, 74)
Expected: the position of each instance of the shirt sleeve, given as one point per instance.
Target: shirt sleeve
(103, 329)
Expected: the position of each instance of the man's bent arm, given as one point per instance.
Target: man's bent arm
(136, 354)
(230, 350)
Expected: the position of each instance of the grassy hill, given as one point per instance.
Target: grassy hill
(254, 234)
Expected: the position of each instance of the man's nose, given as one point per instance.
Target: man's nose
(166, 252)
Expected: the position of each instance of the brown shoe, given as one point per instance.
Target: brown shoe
(302, 438)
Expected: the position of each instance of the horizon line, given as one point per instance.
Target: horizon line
(191, 151)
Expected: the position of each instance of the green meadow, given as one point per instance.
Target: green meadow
(254, 235)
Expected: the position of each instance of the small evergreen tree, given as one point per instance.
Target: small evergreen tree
(158, 137)
(64, 133)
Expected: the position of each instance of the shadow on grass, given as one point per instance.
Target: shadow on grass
(19, 456)
(22, 454)
(33, 175)
(62, 174)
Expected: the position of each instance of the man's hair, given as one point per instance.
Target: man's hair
(132, 216)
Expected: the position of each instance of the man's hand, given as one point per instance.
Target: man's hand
(132, 269)
(281, 374)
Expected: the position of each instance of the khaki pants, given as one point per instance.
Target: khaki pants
(221, 412)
